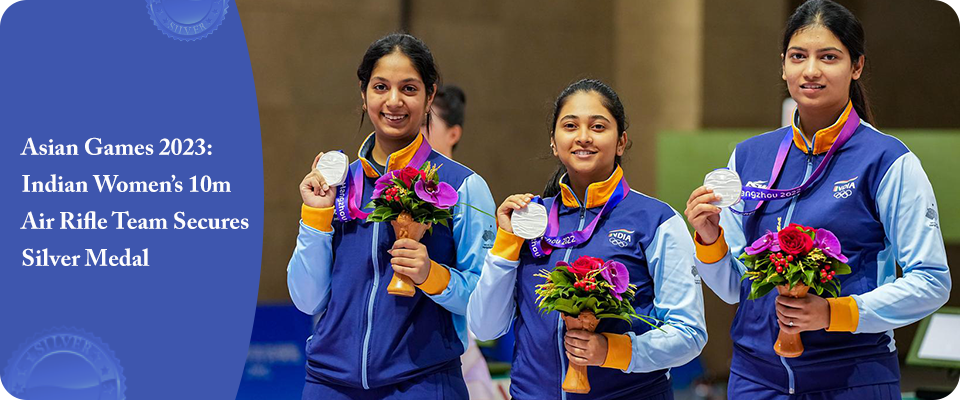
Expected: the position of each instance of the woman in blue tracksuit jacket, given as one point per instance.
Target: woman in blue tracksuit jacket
(627, 361)
(873, 195)
(369, 344)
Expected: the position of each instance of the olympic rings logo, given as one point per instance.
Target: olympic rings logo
(619, 242)
(843, 194)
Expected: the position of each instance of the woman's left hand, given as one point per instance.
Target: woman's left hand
(795, 315)
(410, 258)
(585, 348)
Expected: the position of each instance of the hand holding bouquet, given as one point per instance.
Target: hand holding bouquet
(794, 260)
(585, 292)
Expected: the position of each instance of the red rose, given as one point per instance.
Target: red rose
(407, 174)
(585, 264)
(794, 241)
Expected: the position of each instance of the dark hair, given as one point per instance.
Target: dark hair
(418, 53)
(610, 101)
(450, 103)
(846, 27)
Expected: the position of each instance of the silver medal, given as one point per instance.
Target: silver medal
(333, 166)
(530, 222)
(727, 184)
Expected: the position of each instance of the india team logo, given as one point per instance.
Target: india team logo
(64, 363)
(187, 20)
(621, 237)
(844, 189)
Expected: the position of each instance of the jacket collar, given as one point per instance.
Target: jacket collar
(395, 161)
(597, 193)
(825, 137)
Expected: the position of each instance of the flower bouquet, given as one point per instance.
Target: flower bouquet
(412, 200)
(585, 292)
(794, 260)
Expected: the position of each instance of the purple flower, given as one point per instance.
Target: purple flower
(383, 183)
(615, 273)
(441, 194)
(766, 242)
(829, 244)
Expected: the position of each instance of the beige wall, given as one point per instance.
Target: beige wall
(741, 63)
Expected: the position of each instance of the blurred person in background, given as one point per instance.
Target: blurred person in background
(446, 124)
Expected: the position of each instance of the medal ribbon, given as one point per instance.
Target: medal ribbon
(552, 241)
(761, 194)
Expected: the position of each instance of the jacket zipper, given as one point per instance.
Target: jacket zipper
(793, 204)
(370, 302)
(563, 366)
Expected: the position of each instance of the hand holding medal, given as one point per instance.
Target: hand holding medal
(521, 216)
(726, 184)
(328, 170)
(333, 166)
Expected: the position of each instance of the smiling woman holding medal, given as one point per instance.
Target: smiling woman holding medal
(592, 212)
(832, 170)
(368, 343)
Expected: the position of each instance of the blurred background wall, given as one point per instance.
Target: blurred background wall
(679, 66)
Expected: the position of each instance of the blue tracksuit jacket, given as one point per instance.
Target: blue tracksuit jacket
(366, 337)
(647, 236)
(876, 198)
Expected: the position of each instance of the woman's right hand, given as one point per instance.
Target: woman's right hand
(314, 189)
(703, 216)
(505, 211)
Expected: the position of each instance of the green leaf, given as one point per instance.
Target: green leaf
(560, 278)
(841, 268)
(760, 290)
(793, 268)
(588, 302)
(567, 306)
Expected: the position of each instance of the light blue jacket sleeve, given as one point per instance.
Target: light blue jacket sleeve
(493, 305)
(308, 272)
(473, 233)
(678, 301)
(908, 211)
(723, 276)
